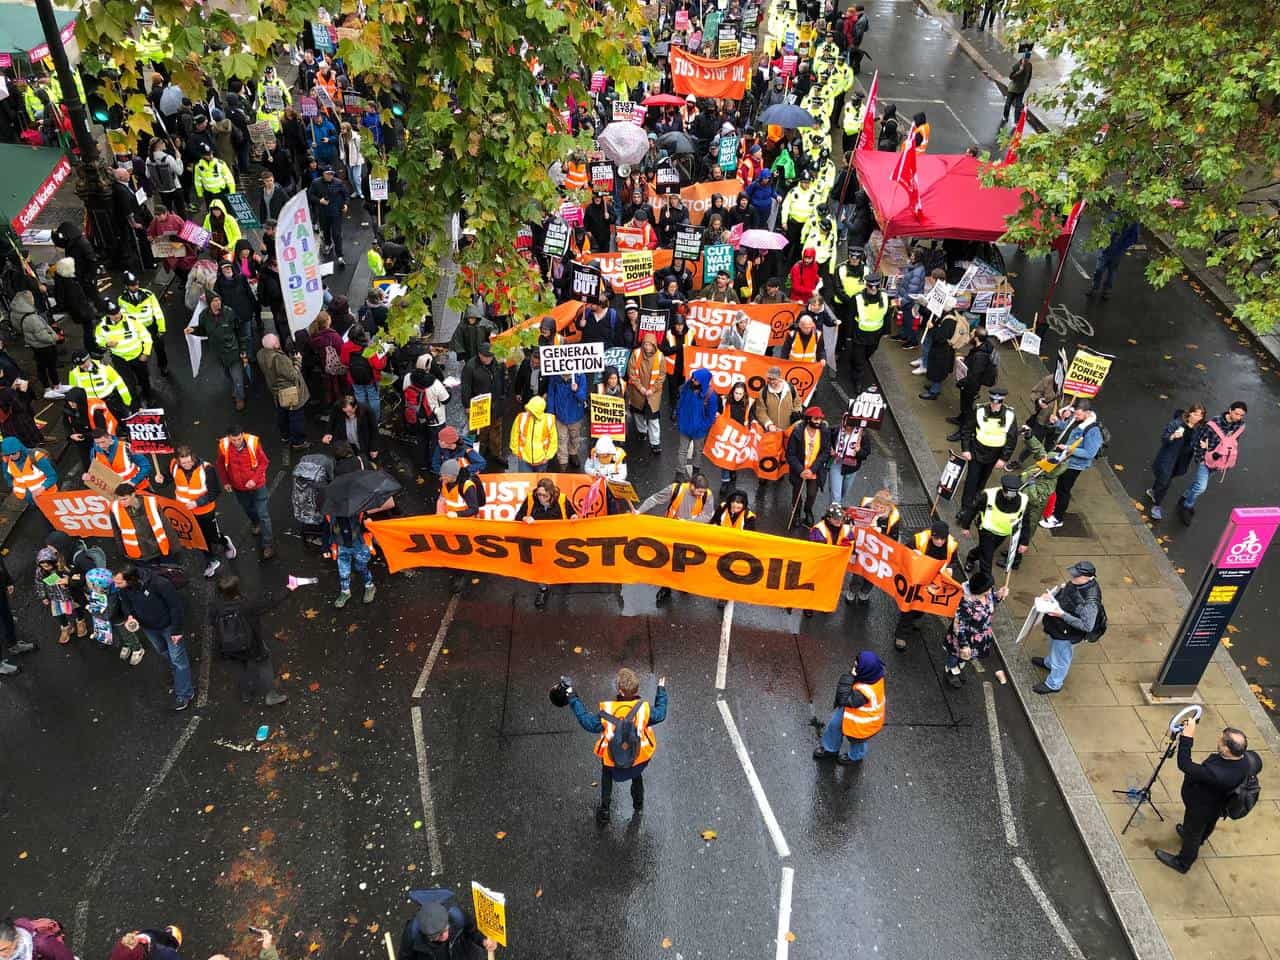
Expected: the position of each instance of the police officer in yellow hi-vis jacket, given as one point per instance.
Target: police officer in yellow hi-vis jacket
(626, 742)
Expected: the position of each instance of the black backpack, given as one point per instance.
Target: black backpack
(360, 369)
(624, 747)
(235, 637)
(1100, 623)
(1245, 796)
(1106, 438)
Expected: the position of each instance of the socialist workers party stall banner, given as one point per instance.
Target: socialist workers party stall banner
(505, 492)
(709, 319)
(723, 79)
(87, 513)
(698, 558)
(697, 197)
(914, 581)
(728, 366)
(298, 255)
(733, 446)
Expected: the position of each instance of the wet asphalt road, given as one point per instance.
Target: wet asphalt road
(1174, 346)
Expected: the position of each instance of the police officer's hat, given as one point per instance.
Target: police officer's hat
(130, 278)
(874, 280)
(205, 148)
(997, 393)
(110, 307)
(855, 252)
(1010, 482)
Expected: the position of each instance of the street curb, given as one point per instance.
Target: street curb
(1131, 907)
(1217, 290)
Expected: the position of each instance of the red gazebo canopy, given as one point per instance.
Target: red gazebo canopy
(955, 203)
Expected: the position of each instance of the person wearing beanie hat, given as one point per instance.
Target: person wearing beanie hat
(858, 713)
(439, 930)
(999, 511)
(970, 636)
(607, 460)
(808, 450)
(935, 543)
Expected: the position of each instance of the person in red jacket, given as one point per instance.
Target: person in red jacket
(804, 276)
(37, 939)
(242, 466)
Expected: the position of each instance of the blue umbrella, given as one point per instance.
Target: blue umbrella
(788, 116)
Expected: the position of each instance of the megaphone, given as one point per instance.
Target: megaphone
(296, 582)
(559, 694)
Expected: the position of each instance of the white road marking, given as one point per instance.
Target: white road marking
(722, 662)
(944, 103)
(997, 758)
(1079, 269)
(449, 612)
(891, 480)
(762, 801)
(424, 785)
(784, 913)
(1046, 905)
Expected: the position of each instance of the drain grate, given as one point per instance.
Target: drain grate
(915, 517)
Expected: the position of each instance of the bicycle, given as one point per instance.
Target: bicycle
(1062, 321)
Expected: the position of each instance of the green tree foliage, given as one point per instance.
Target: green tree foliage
(480, 136)
(1172, 122)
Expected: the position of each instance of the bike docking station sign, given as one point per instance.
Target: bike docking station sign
(1238, 555)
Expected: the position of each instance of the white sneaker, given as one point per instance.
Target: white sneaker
(1050, 523)
(918, 371)
(124, 653)
(53, 393)
(212, 568)
(230, 553)
(136, 657)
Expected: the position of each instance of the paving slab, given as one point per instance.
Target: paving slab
(1205, 939)
(1250, 885)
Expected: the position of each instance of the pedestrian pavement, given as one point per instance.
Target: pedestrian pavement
(1099, 733)
(992, 50)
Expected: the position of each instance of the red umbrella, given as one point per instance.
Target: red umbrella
(663, 100)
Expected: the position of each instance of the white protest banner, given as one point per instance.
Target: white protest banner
(555, 242)
(1030, 343)
(377, 188)
(756, 339)
(950, 478)
(653, 321)
(622, 109)
(936, 301)
(572, 358)
(195, 345)
(298, 255)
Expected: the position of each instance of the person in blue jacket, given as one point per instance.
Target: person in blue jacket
(696, 410)
(27, 472)
(567, 402)
(116, 455)
(761, 192)
(1109, 257)
(324, 139)
(1077, 425)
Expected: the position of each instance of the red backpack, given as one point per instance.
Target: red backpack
(1223, 456)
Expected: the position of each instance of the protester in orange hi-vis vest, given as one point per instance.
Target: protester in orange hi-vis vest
(645, 374)
(140, 527)
(858, 712)
(938, 544)
(196, 486)
(887, 520)
(626, 742)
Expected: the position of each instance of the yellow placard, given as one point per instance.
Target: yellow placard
(637, 272)
(491, 912)
(1086, 373)
(608, 416)
(480, 412)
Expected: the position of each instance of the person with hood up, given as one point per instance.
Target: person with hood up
(77, 246)
(607, 460)
(762, 195)
(805, 275)
(224, 231)
(27, 472)
(38, 336)
(470, 333)
(567, 406)
(534, 437)
(808, 452)
(889, 136)
(970, 636)
(740, 213)
(71, 297)
(858, 712)
(645, 374)
(1080, 435)
(226, 336)
(696, 410)
(238, 295)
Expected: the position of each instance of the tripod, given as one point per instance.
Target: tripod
(1143, 794)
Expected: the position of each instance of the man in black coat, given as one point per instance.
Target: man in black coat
(981, 371)
(151, 604)
(483, 374)
(1206, 788)
(439, 933)
(354, 422)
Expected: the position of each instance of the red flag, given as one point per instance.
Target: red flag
(905, 172)
(1015, 141)
(867, 138)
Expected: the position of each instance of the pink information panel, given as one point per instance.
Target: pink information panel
(1244, 543)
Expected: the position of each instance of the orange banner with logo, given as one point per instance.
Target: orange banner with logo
(86, 513)
(709, 320)
(610, 265)
(698, 558)
(728, 366)
(564, 314)
(732, 446)
(505, 492)
(724, 79)
(697, 197)
(914, 581)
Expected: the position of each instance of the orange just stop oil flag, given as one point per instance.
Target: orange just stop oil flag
(698, 558)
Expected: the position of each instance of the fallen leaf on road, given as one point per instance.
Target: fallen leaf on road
(368, 724)
(1164, 396)
(791, 937)
(708, 835)
(1263, 662)
(666, 943)
(353, 628)
(1192, 346)
(421, 481)
(310, 614)
(1201, 366)
(1226, 642)
(577, 649)
(285, 676)
(1133, 341)
(1232, 628)
(1140, 507)
(411, 867)
(313, 686)
(475, 580)
(445, 651)
(1128, 580)
(1168, 356)
(417, 824)
(500, 834)
(1118, 466)
(22, 855)
(208, 808)
(1181, 570)
(537, 893)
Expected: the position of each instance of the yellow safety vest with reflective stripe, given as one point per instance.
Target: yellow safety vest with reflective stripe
(129, 533)
(99, 383)
(145, 308)
(851, 119)
(213, 176)
(864, 722)
(453, 495)
(127, 339)
(33, 104)
(891, 519)
(798, 205)
(699, 500)
(851, 281)
(188, 488)
(922, 544)
(991, 432)
(995, 520)
(871, 315)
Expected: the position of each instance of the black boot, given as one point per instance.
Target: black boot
(540, 601)
(664, 594)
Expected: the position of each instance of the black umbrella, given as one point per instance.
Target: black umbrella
(355, 492)
(677, 143)
(788, 116)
